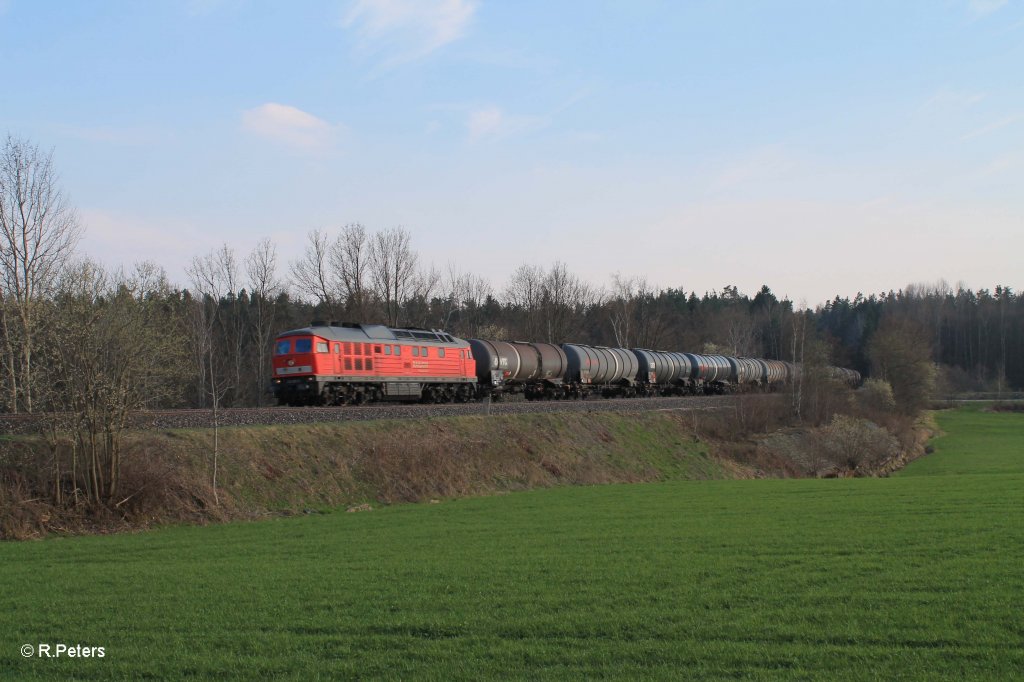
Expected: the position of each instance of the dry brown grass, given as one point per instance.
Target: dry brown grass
(167, 476)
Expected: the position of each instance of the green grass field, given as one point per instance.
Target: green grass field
(917, 576)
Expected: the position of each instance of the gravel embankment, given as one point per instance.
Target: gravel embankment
(241, 416)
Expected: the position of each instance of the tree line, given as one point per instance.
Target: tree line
(207, 341)
(87, 345)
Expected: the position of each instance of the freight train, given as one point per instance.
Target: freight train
(358, 363)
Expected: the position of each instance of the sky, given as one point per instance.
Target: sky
(822, 148)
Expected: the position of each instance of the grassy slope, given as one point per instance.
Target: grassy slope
(270, 469)
(918, 575)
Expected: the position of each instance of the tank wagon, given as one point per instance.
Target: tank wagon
(571, 371)
(535, 369)
(354, 363)
(609, 371)
(850, 377)
(663, 372)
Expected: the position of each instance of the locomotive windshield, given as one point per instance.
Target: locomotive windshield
(303, 345)
(283, 347)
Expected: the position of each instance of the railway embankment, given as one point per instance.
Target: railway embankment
(249, 472)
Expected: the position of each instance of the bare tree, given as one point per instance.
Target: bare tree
(633, 313)
(38, 233)
(311, 274)
(425, 283)
(261, 269)
(476, 292)
(393, 270)
(97, 375)
(350, 261)
(454, 284)
(565, 299)
(525, 294)
(740, 332)
(622, 309)
(212, 276)
(799, 342)
(465, 295)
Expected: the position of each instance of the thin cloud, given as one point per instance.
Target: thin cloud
(491, 122)
(992, 127)
(953, 99)
(294, 127)
(408, 29)
(981, 8)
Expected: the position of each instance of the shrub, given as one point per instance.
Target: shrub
(876, 396)
(858, 445)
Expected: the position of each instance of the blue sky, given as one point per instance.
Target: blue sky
(821, 148)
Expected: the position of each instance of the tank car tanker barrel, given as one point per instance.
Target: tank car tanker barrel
(600, 365)
(744, 370)
(626, 366)
(553, 361)
(700, 370)
(495, 360)
(518, 366)
(583, 366)
(529, 362)
(685, 367)
(648, 367)
(604, 368)
(775, 371)
(722, 368)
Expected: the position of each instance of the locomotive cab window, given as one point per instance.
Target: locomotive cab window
(283, 347)
(303, 345)
(321, 347)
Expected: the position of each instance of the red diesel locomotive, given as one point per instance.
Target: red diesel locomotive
(356, 363)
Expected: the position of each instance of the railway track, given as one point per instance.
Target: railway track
(252, 416)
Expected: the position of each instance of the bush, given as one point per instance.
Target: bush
(858, 445)
(876, 396)
(900, 354)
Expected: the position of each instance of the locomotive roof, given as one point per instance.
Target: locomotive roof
(368, 333)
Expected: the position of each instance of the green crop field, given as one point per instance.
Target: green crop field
(917, 576)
